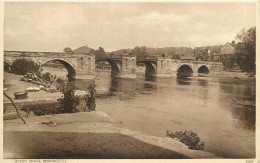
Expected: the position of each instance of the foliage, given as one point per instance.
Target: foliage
(7, 67)
(69, 102)
(44, 108)
(100, 51)
(60, 84)
(68, 50)
(140, 52)
(47, 77)
(91, 103)
(190, 138)
(246, 50)
(22, 66)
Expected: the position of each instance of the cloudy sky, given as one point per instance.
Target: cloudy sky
(54, 26)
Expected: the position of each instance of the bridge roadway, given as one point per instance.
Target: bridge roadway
(82, 66)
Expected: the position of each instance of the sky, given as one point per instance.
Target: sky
(32, 26)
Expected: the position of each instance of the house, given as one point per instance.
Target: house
(187, 57)
(228, 56)
(228, 50)
(216, 56)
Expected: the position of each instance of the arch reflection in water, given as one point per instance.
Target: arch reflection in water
(183, 81)
(203, 83)
(150, 78)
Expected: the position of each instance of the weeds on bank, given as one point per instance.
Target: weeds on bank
(189, 138)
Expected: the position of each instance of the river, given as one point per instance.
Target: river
(220, 111)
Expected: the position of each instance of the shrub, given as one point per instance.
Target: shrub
(91, 99)
(69, 102)
(49, 78)
(60, 84)
(22, 66)
(44, 108)
(7, 67)
(189, 138)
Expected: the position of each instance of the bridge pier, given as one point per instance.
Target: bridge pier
(195, 74)
(164, 75)
(127, 67)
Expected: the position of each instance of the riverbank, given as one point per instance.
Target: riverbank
(13, 84)
(87, 135)
(228, 74)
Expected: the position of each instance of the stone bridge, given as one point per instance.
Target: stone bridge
(121, 66)
(82, 66)
(167, 67)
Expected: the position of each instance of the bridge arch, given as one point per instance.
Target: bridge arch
(203, 69)
(115, 66)
(70, 68)
(184, 70)
(150, 68)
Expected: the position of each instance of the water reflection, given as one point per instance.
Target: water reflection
(183, 80)
(245, 117)
(227, 107)
(203, 82)
(150, 78)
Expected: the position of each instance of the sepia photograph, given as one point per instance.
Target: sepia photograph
(129, 80)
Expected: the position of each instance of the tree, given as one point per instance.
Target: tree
(246, 50)
(100, 51)
(140, 52)
(68, 50)
(22, 66)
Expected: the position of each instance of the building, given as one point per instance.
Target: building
(216, 56)
(228, 56)
(228, 50)
(187, 57)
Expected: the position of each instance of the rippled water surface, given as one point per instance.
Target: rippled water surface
(220, 111)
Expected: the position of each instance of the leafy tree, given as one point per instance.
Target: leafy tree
(246, 50)
(68, 50)
(22, 66)
(140, 52)
(101, 51)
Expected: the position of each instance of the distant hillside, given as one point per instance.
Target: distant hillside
(83, 49)
(142, 50)
(168, 51)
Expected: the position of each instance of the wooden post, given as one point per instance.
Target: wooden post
(15, 108)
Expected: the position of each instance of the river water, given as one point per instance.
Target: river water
(220, 111)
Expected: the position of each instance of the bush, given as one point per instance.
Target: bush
(60, 84)
(44, 108)
(47, 77)
(22, 66)
(189, 138)
(7, 67)
(91, 99)
(69, 102)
